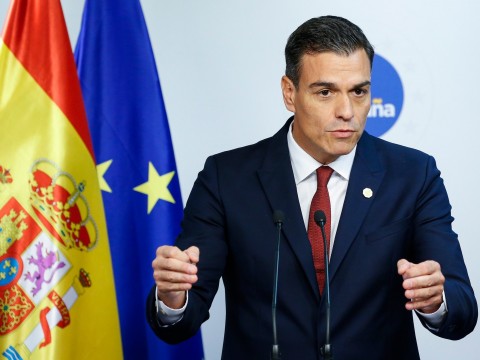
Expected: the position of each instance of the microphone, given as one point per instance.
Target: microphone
(321, 219)
(278, 217)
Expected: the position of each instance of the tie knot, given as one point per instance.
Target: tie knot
(323, 175)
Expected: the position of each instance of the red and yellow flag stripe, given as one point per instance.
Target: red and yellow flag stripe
(35, 33)
(57, 295)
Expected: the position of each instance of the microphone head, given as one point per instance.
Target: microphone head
(278, 216)
(320, 218)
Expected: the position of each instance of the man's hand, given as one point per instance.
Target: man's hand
(423, 284)
(174, 272)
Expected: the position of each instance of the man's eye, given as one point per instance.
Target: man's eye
(324, 92)
(360, 92)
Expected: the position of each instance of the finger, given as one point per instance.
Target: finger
(166, 288)
(174, 277)
(424, 281)
(169, 283)
(425, 293)
(403, 265)
(172, 264)
(172, 252)
(426, 305)
(193, 253)
(424, 268)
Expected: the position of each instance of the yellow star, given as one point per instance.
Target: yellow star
(6, 264)
(13, 270)
(2, 276)
(101, 170)
(156, 188)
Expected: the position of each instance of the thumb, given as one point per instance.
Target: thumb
(193, 253)
(403, 265)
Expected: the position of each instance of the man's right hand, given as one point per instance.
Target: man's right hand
(174, 272)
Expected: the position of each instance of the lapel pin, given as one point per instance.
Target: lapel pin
(368, 193)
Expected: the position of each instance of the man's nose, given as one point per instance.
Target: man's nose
(344, 108)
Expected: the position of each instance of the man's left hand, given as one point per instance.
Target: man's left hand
(423, 284)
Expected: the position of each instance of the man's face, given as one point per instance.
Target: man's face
(331, 103)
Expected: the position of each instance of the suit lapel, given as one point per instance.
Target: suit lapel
(278, 182)
(367, 173)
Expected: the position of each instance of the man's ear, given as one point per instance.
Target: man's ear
(288, 91)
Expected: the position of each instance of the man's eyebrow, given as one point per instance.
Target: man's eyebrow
(322, 84)
(332, 85)
(362, 84)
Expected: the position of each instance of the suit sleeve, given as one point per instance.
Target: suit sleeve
(434, 239)
(203, 226)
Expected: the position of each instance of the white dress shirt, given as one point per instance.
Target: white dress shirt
(304, 170)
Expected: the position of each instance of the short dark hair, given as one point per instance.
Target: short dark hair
(323, 34)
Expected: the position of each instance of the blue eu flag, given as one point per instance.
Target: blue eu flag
(135, 162)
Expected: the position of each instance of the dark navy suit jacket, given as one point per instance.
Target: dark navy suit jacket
(229, 217)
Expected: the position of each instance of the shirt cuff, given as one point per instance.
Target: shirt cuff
(434, 320)
(166, 315)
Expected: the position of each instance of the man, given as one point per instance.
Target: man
(392, 247)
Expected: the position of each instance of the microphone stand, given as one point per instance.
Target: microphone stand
(278, 217)
(326, 349)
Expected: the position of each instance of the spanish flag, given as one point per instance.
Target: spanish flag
(57, 294)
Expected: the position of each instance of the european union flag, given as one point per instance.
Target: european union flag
(135, 161)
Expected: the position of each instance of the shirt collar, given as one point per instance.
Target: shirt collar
(304, 165)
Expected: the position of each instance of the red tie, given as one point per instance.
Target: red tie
(320, 201)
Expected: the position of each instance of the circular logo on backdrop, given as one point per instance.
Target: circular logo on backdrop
(387, 97)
